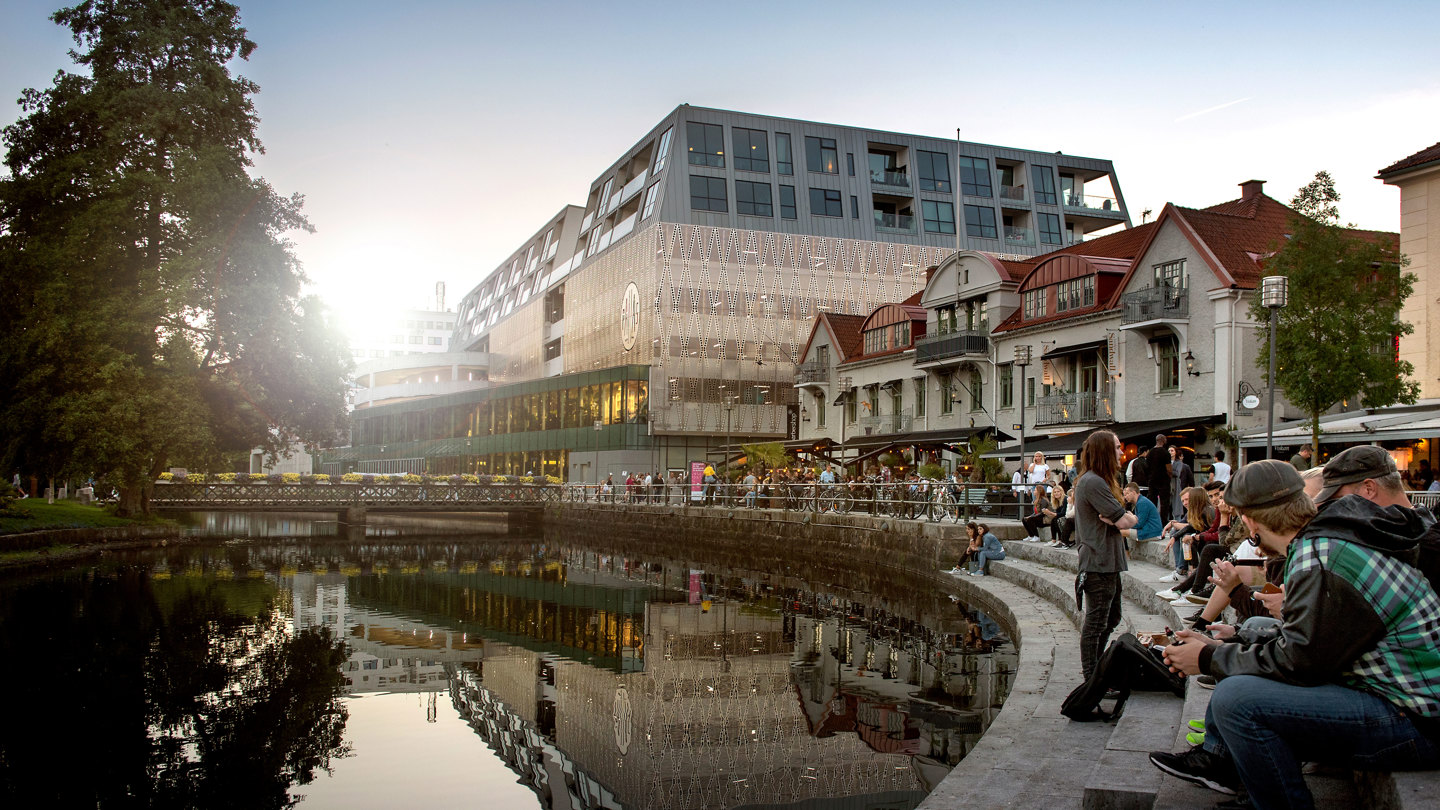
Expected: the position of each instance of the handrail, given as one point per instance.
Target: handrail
(343, 495)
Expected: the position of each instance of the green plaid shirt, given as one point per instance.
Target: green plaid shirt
(1404, 668)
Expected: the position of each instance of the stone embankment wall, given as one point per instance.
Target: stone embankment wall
(86, 537)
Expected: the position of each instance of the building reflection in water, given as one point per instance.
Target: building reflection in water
(598, 682)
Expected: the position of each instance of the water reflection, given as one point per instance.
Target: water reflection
(595, 679)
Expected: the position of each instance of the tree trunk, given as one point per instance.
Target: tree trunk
(131, 503)
(1315, 439)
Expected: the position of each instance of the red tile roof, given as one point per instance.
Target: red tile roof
(846, 329)
(1018, 270)
(1427, 155)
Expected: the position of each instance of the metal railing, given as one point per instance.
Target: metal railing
(1012, 193)
(935, 501)
(890, 178)
(260, 496)
(884, 423)
(1080, 407)
(812, 371)
(1018, 236)
(899, 222)
(1154, 303)
(951, 344)
(1078, 199)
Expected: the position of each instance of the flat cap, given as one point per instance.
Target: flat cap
(1352, 466)
(1263, 483)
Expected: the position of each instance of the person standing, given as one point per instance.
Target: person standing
(1157, 470)
(1100, 517)
(1181, 479)
(1301, 460)
(1220, 471)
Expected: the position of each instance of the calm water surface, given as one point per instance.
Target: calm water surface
(410, 668)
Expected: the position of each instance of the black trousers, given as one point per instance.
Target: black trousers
(1033, 523)
(1101, 597)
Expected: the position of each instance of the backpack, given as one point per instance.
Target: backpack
(1125, 666)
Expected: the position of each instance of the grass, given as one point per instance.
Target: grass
(34, 514)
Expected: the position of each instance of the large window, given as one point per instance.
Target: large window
(1167, 352)
(753, 199)
(975, 177)
(1049, 229)
(662, 151)
(650, 195)
(708, 194)
(939, 216)
(825, 202)
(934, 170)
(1044, 181)
(1007, 385)
(919, 396)
(1077, 293)
(1171, 276)
(980, 222)
(787, 202)
(947, 394)
(784, 155)
(977, 390)
(752, 151)
(707, 144)
(821, 155)
(1033, 303)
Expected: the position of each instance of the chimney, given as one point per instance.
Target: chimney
(930, 273)
(1251, 188)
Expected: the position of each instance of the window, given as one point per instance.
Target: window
(752, 151)
(787, 202)
(822, 156)
(939, 216)
(850, 162)
(1007, 385)
(850, 405)
(825, 202)
(977, 316)
(1034, 303)
(708, 194)
(753, 199)
(1030, 391)
(416, 338)
(434, 341)
(650, 201)
(934, 170)
(1171, 276)
(980, 222)
(1167, 352)
(877, 340)
(975, 177)
(854, 207)
(1076, 293)
(919, 396)
(784, 158)
(1044, 184)
(945, 320)
(1049, 229)
(820, 411)
(707, 144)
(599, 207)
(977, 390)
(947, 395)
(662, 151)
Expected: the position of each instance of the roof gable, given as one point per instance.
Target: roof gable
(1428, 155)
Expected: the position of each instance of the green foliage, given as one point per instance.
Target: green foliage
(1335, 338)
(34, 514)
(768, 454)
(151, 308)
(983, 470)
(891, 459)
(932, 471)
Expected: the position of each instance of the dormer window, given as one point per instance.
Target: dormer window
(1034, 304)
(1077, 293)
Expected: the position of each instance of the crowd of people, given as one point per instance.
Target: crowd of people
(1333, 652)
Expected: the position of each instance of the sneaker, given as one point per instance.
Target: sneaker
(1199, 767)
(1171, 577)
(1205, 681)
(1195, 738)
(1181, 602)
(1032, 539)
(977, 573)
(1197, 599)
(956, 570)
(1197, 725)
(1167, 595)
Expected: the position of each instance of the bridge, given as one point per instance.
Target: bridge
(353, 501)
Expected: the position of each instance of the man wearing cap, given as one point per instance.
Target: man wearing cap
(1370, 472)
(1353, 675)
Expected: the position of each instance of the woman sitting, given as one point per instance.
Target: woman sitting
(990, 549)
(1047, 509)
(972, 531)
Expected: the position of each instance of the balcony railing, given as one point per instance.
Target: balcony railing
(1016, 193)
(1018, 236)
(897, 222)
(1078, 199)
(812, 371)
(889, 178)
(1078, 408)
(952, 344)
(1156, 303)
(885, 423)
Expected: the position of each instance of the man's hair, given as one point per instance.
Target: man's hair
(1212, 485)
(1391, 482)
(1097, 455)
(1133, 487)
(1219, 455)
(1285, 517)
(1161, 437)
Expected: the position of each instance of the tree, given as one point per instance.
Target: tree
(769, 455)
(152, 308)
(1335, 340)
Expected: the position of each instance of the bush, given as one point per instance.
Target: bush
(165, 476)
(195, 478)
(352, 478)
(226, 477)
(410, 478)
(552, 479)
(499, 479)
(470, 479)
(932, 471)
(257, 476)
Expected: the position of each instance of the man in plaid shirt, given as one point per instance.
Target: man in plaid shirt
(1353, 675)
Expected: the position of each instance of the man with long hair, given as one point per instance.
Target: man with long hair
(1100, 516)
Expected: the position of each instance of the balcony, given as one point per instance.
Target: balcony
(1079, 408)
(1155, 304)
(813, 372)
(1012, 193)
(951, 344)
(890, 178)
(1078, 199)
(885, 423)
(1019, 236)
(895, 222)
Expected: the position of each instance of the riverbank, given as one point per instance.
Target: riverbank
(62, 545)
(34, 515)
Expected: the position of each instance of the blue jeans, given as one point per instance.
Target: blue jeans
(1268, 728)
(1178, 551)
(750, 499)
(982, 557)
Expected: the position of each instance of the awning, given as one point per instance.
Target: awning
(1397, 423)
(929, 439)
(1141, 433)
(891, 385)
(1076, 348)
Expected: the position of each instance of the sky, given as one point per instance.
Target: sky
(430, 139)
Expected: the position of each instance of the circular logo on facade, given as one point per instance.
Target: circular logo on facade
(630, 316)
(620, 715)
(1251, 401)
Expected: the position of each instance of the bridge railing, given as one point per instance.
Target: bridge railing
(201, 496)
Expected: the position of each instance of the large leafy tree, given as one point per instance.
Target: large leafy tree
(1335, 340)
(152, 307)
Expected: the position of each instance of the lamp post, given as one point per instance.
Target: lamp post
(1274, 295)
(1023, 355)
(729, 409)
(598, 425)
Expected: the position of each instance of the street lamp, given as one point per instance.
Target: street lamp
(598, 425)
(729, 409)
(1274, 295)
(1023, 355)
